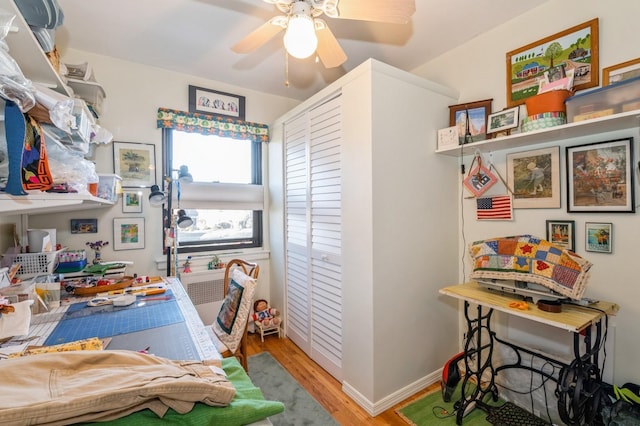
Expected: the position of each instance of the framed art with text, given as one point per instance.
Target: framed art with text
(600, 177)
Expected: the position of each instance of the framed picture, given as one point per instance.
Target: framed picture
(600, 177)
(135, 163)
(448, 138)
(562, 233)
(84, 226)
(598, 237)
(503, 120)
(479, 180)
(213, 102)
(471, 120)
(576, 48)
(128, 233)
(131, 202)
(534, 178)
(621, 72)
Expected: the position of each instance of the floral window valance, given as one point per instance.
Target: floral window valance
(212, 125)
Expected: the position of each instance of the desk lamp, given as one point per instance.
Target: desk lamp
(181, 220)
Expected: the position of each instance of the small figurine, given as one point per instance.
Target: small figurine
(187, 265)
(264, 315)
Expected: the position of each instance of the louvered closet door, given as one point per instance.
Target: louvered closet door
(326, 245)
(313, 234)
(296, 136)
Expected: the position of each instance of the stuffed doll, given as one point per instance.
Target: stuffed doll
(264, 315)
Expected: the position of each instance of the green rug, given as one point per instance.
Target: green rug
(432, 410)
(277, 384)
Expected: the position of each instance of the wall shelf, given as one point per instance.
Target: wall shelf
(45, 202)
(25, 49)
(621, 121)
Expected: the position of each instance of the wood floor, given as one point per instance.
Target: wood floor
(322, 386)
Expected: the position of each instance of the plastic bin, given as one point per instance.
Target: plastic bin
(612, 99)
(33, 264)
(109, 186)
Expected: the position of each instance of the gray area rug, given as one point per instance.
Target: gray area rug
(277, 384)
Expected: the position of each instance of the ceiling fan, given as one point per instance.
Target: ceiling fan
(306, 33)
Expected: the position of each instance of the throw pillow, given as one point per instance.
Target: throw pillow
(235, 310)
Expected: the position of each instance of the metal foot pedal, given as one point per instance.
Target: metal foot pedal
(511, 415)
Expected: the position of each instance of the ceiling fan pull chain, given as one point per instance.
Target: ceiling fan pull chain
(286, 68)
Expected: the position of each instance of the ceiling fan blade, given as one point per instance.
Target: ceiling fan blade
(258, 37)
(329, 50)
(392, 11)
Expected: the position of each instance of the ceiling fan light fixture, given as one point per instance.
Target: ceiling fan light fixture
(300, 39)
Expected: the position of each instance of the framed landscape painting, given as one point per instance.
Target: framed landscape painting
(471, 120)
(576, 48)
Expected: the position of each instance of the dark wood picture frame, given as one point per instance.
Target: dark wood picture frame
(527, 64)
(214, 102)
(477, 112)
(562, 233)
(600, 177)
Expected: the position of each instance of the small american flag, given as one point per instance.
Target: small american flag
(498, 207)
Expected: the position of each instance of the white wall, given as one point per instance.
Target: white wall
(477, 70)
(134, 93)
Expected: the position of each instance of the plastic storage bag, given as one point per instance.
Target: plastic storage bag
(13, 84)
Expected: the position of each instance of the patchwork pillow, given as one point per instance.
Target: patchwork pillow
(530, 259)
(235, 310)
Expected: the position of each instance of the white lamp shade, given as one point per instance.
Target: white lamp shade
(300, 38)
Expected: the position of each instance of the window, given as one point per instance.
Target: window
(225, 198)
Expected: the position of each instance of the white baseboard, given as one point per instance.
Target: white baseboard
(390, 400)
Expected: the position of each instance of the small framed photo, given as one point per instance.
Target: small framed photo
(600, 177)
(534, 178)
(503, 120)
(562, 233)
(471, 120)
(128, 233)
(598, 237)
(213, 102)
(621, 72)
(84, 226)
(131, 202)
(135, 163)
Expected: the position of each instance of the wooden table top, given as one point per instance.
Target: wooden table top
(573, 317)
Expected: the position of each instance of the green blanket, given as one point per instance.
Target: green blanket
(247, 406)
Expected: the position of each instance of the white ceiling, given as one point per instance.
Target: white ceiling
(194, 37)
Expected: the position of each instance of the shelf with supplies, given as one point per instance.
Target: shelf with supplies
(621, 121)
(45, 202)
(25, 49)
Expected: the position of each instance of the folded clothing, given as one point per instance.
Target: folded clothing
(69, 387)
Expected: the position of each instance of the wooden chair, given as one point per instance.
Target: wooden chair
(252, 270)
